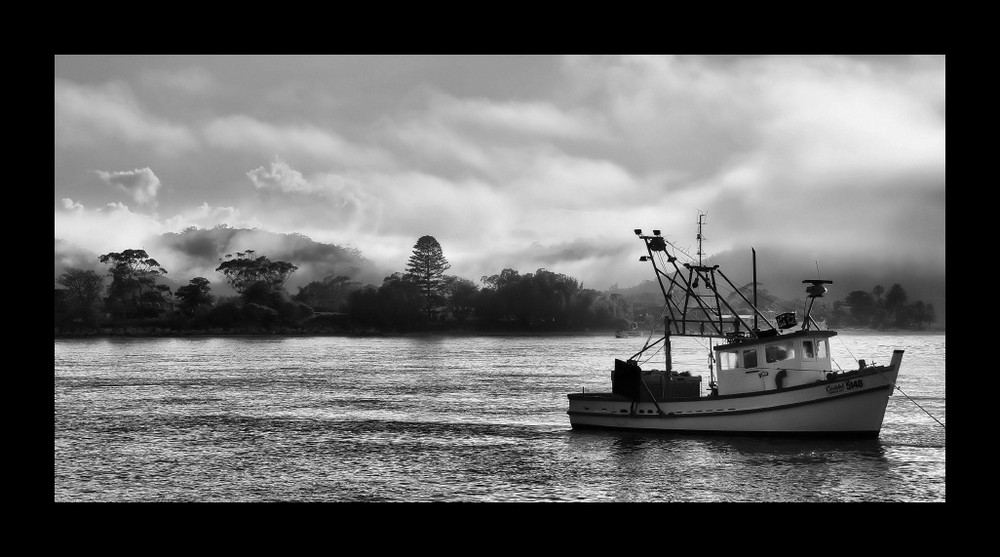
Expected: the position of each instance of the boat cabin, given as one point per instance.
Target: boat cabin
(773, 362)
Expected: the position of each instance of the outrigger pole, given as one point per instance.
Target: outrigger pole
(696, 317)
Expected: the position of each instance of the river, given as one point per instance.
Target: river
(448, 418)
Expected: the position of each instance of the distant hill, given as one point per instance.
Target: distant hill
(197, 252)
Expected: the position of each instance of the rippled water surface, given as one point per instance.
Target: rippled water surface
(346, 419)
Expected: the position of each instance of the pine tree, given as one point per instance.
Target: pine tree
(427, 265)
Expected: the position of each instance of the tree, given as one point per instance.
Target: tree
(895, 302)
(877, 292)
(862, 307)
(133, 280)
(195, 296)
(255, 279)
(582, 313)
(539, 300)
(330, 295)
(927, 315)
(461, 295)
(82, 293)
(496, 282)
(427, 265)
(396, 304)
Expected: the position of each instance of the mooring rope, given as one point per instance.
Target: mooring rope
(894, 385)
(908, 397)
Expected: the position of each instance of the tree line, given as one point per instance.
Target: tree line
(421, 298)
(880, 309)
(877, 309)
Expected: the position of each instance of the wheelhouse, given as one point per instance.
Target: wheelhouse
(773, 362)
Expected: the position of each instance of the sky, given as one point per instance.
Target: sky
(521, 162)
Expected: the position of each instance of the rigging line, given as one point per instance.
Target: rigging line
(653, 325)
(844, 345)
(894, 385)
(914, 402)
(651, 356)
(646, 345)
(686, 254)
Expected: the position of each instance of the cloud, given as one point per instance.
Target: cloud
(551, 165)
(206, 216)
(433, 146)
(819, 153)
(280, 176)
(555, 181)
(451, 136)
(87, 116)
(247, 134)
(140, 184)
(676, 114)
(831, 121)
(114, 227)
(345, 203)
(189, 81)
(111, 228)
(521, 119)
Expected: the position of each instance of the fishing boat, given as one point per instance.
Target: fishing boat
(766, 378)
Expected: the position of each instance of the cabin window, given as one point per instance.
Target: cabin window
(750, 358)
(778, 352)
(821, 348)
(807, 349)
(729, 360)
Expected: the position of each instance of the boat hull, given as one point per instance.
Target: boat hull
(851, 404)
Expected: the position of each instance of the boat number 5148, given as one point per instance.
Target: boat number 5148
(837, 388)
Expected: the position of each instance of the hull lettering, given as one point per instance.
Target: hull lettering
(850, 385)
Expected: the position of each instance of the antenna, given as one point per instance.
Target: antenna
(701, 221)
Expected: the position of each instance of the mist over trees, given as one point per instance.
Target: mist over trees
(873, 310)
(421, 298)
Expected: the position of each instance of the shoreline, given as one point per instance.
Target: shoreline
(136, 332)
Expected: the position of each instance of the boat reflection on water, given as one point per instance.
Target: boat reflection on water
(780, 449)
(670, 467)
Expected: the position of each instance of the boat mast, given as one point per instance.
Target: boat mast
(701, 221)
(754, 251)
(666, 344)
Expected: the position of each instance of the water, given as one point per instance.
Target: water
(454, 419)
